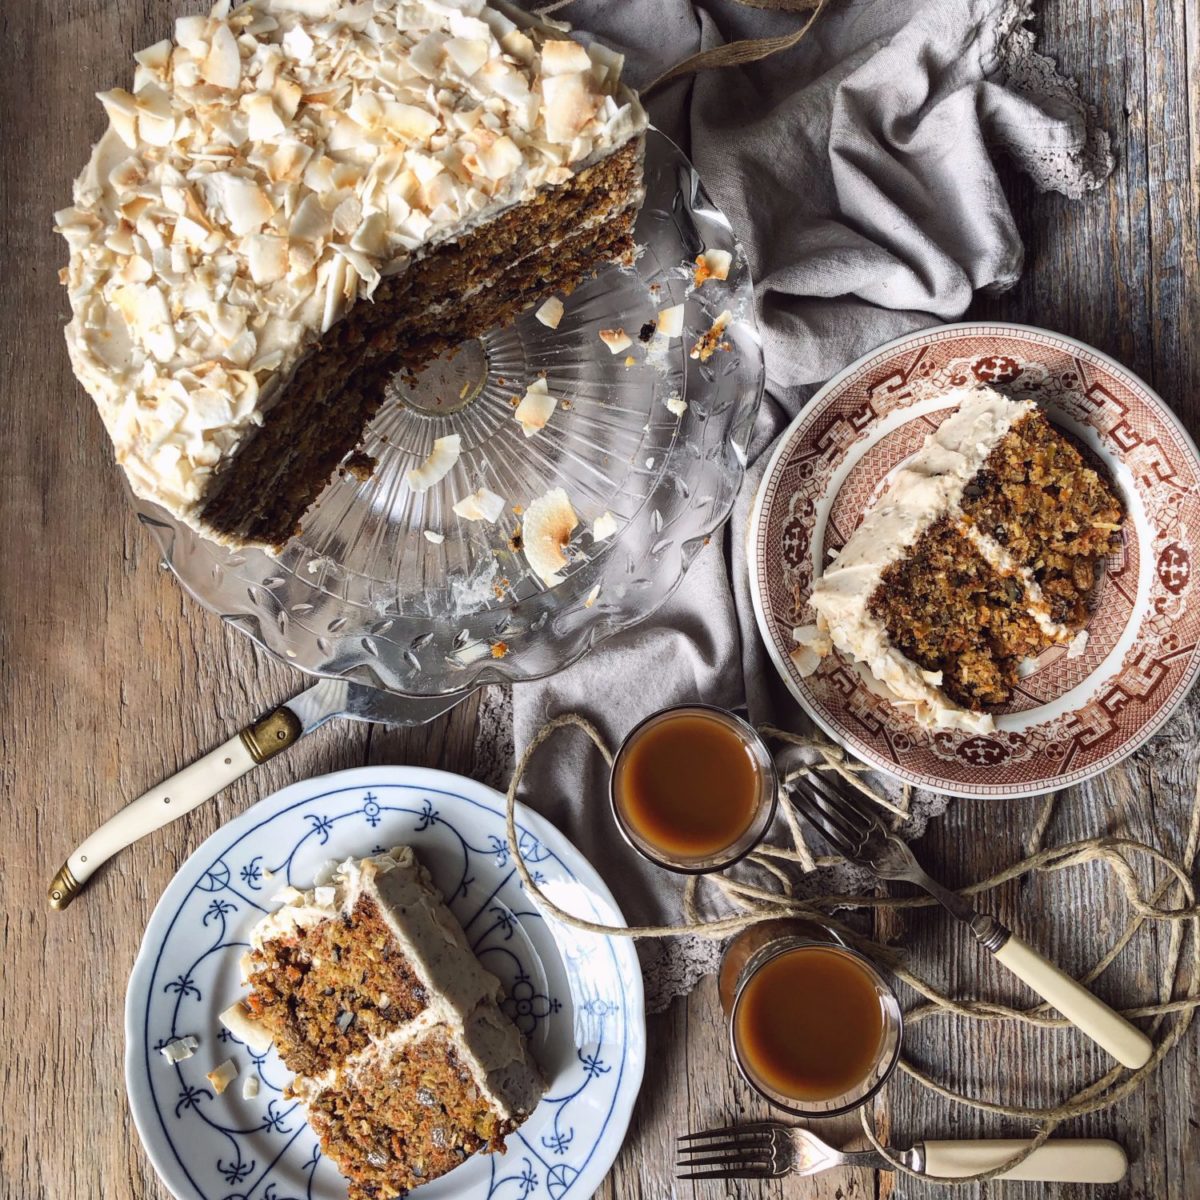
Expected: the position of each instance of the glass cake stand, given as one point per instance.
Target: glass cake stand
(363, 594)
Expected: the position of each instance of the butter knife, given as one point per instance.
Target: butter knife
(203, 779)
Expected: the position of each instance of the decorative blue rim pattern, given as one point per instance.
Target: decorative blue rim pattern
(577, 996)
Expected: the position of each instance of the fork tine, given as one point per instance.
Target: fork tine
(836, 817)
(750, 1173)
(758, 1127)
(838, 799)
(726, 1160)
(807, 806)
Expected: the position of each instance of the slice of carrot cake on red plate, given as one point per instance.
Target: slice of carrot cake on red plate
(982, 551)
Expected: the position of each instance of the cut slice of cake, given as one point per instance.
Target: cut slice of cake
(297, 200)
(982, 551)
(404, 1061)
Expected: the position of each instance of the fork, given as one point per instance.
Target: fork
(862, 838)
(768, 1150)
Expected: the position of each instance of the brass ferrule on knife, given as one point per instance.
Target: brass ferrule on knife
(274, 733)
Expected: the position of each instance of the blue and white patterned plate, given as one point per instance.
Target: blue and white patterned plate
(577, 996)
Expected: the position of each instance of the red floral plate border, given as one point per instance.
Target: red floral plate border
(1071, 718)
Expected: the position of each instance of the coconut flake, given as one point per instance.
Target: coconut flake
(250, 1087)
(712, 264)
(550, 313)
(616, 340)
(177, 1049)
(536, 408)
(238, 1020)
(436, 538)
(676, 404)
(560, 57)
(812, 645)
(223, 1075)
(670, 321)
(604, 526)
(591, 597)
(482, 505)
(547, 526)
(445, 453)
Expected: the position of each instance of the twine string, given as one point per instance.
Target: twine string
(732, 54)
(1172, 900)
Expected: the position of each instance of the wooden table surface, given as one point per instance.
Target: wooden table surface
(113, 678)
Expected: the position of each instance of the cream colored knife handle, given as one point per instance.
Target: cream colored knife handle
(1060, 1160)
(174, 797)
(1127, 1044)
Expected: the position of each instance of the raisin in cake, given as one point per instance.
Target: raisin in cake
(982, 552)
(404, 1061)
(298, 199)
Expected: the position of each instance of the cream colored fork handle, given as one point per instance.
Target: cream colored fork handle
(190, 787)
(1127, 1044)
(1060, 1160)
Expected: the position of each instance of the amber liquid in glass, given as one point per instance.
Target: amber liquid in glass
(688, 785)
(809, 1024)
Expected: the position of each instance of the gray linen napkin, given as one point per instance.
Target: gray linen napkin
(858, 172)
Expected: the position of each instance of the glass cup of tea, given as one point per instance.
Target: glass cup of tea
(814, 1028)
(693, 788)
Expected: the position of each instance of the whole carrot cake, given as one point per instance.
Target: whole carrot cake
(982, 551)
(299, 198)
(404, 1061)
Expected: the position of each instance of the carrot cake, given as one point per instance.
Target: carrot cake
(982, 552)
(403, 1059)
(298, 199)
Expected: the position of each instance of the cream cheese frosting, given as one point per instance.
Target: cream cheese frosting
(271, 165)
(928, 486)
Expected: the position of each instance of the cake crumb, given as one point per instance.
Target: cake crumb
(499, 649)
(710, 342)
(361, 465)
(647, 331)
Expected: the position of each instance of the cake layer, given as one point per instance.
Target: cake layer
(274, 166)
(485, 278)
(1050, 512)
(946, 608)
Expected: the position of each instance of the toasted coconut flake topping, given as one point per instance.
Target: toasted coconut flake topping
(604, 526)
(676, 404)
(436, 538)
(548, 524)
(482, 505)
(223, 1075)
(712, 264)
(239, 1021)
(445, 453)
(249, 1087)
(178, 1049)
(591, 597)
(551, 312)
(670, 321)
(536, 408)
(616, 340)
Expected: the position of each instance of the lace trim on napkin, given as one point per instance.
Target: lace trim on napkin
(1072, 169)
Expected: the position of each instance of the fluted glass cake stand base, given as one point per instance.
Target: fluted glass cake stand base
(387, 586)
